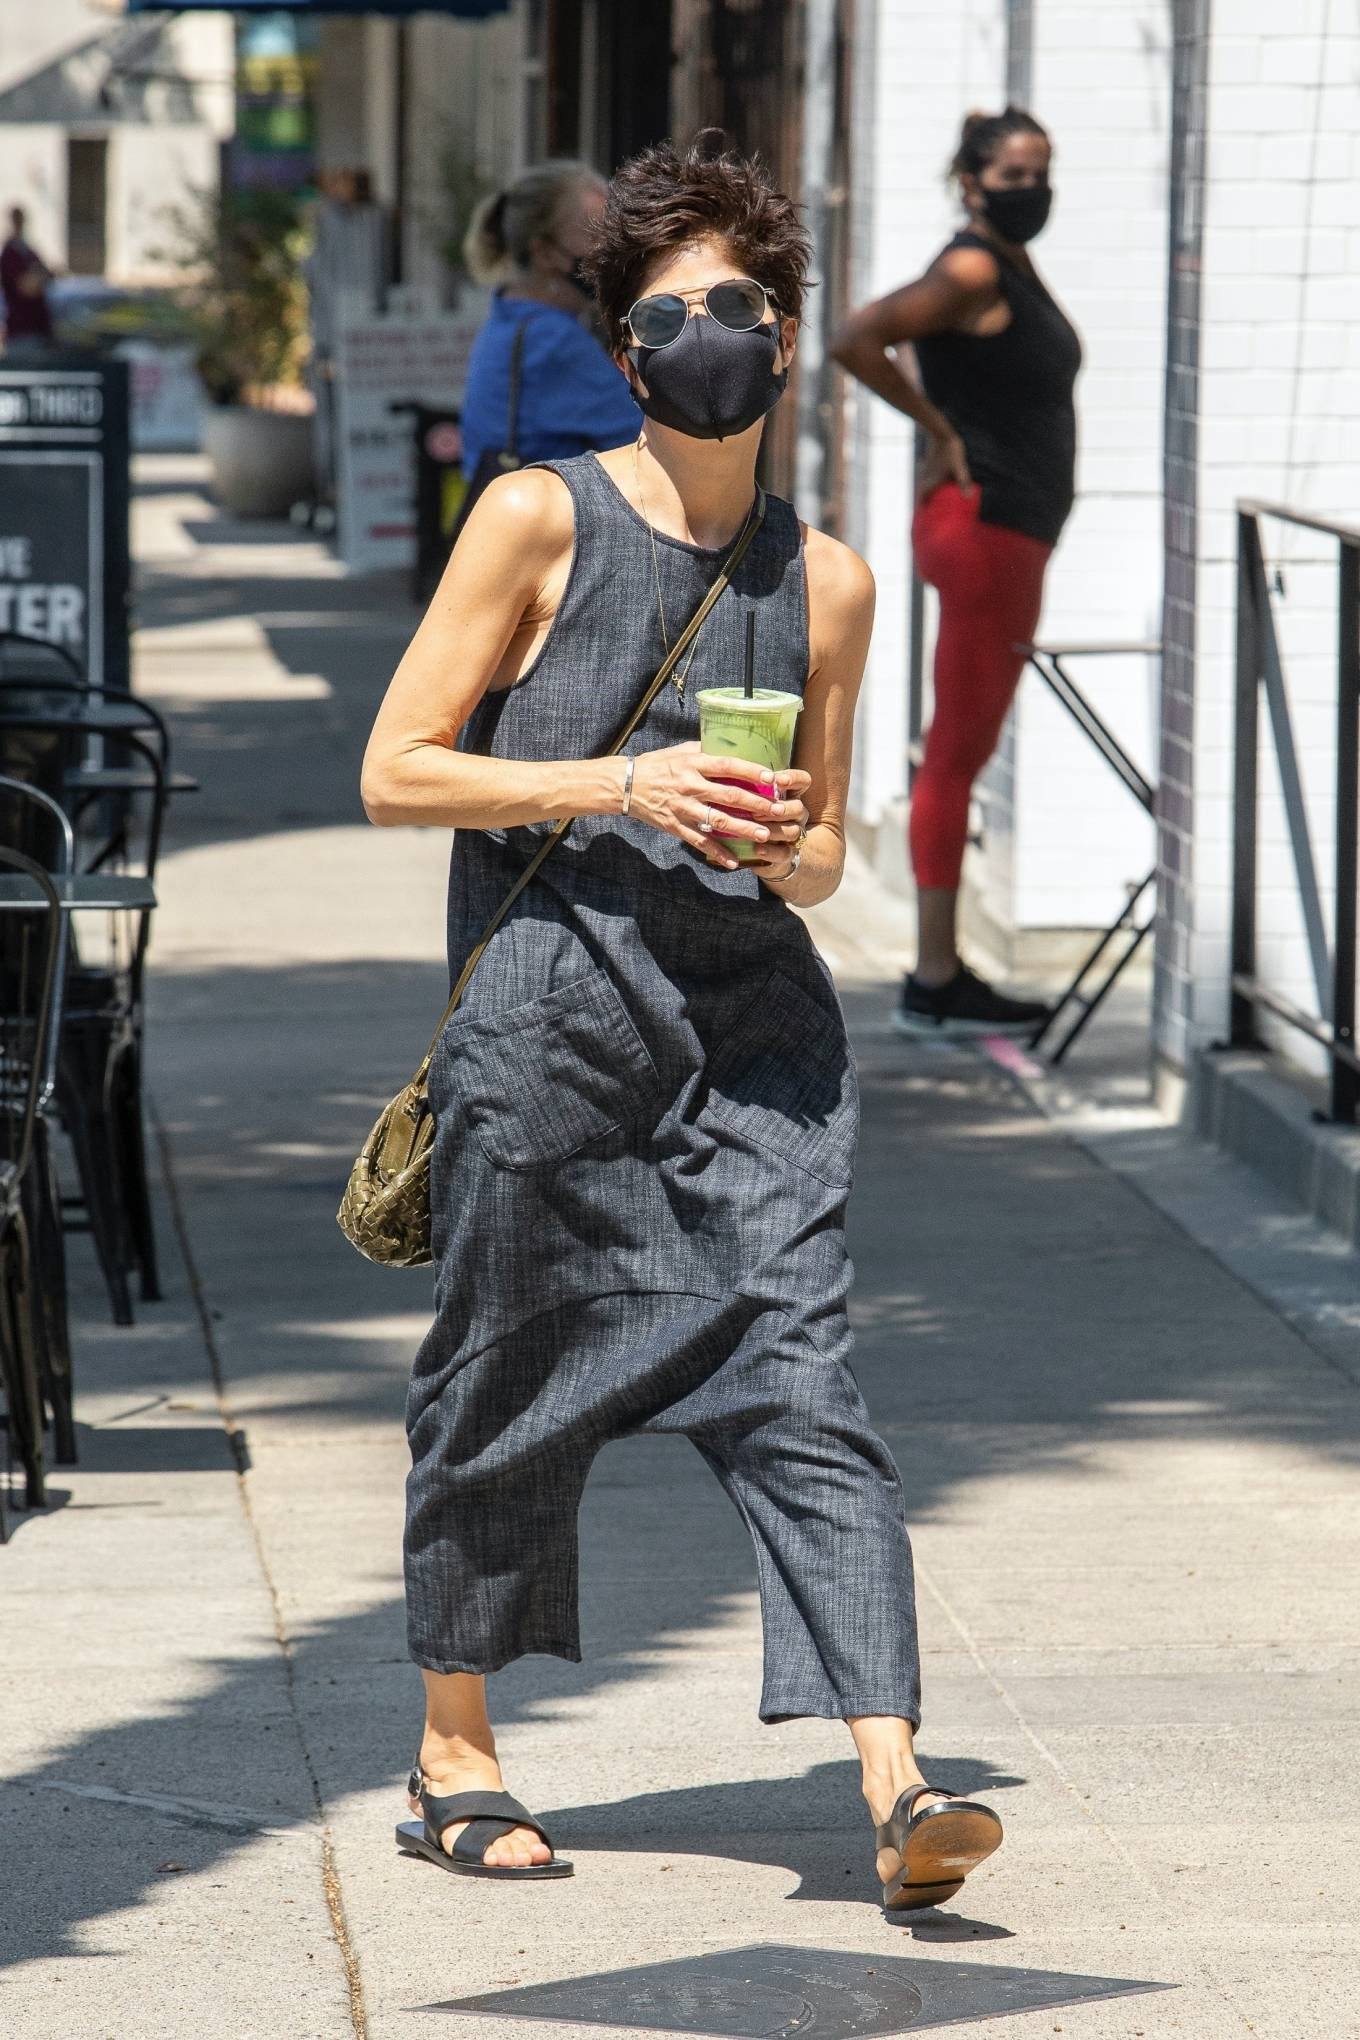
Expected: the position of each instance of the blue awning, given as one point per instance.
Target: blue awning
(466, 10)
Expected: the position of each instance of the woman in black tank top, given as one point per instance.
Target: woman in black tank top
(998, 359)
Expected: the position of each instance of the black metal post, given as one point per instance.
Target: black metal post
(1345, 1080)
(1250, 577)
(1055, 677)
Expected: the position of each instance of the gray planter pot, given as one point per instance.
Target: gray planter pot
(261, 460)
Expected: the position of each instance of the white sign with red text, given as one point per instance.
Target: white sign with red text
(381, 363)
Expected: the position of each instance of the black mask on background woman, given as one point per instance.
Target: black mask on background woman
(1017, 211)
(711, 383)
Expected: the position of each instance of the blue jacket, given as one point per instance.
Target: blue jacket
(572, 399)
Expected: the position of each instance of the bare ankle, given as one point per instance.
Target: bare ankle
(884, 1782)
(442, 1753)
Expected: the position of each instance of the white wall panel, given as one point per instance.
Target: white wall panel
(918, 68)
(1279, 419)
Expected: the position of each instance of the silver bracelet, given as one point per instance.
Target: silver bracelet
(628, 785)
(797, 860)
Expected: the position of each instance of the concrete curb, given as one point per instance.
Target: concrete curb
(1239, 1104)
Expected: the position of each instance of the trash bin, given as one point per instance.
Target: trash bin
(440, 488)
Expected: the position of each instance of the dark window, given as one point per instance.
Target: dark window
(86, 205)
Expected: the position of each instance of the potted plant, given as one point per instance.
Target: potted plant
(246, 301)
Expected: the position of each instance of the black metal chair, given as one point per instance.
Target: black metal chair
(42, 1189)
(30, 944)
(57, 732)
(22, 653)
(103, 755)
(100, 1084)
(99, 1051)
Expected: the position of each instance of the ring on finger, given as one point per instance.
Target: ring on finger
(706, 826)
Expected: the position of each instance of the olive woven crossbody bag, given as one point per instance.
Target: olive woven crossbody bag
(385, 1211)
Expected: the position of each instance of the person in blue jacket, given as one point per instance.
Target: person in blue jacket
(527, 242)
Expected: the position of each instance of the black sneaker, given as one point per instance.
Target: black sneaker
(966, 1006)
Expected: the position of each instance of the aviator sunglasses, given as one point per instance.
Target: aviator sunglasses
(739, 304)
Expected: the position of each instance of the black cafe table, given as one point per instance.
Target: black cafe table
(99, 715)
(86, 892)
(124, 779)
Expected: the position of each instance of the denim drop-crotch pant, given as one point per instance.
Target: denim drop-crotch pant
(639, 1185)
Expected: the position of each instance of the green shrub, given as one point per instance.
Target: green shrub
(243, 295)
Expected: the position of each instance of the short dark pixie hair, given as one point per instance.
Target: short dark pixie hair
(665, 199)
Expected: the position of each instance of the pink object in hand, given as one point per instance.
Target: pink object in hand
(766, 788)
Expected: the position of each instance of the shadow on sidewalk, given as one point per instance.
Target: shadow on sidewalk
(1020, 1312)
(1014, 1300)
(121, 1809)
(813, 1824)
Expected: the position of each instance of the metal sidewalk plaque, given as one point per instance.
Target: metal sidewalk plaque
(768, 1992)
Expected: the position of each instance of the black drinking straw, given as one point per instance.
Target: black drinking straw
(749, 682)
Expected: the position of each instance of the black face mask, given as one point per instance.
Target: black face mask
(1017, 212)
(711, 383)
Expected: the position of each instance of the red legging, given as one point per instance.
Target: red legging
(991, 583)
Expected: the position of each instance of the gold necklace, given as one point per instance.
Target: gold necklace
(682, 675)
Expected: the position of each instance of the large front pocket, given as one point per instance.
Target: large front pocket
(784, 1079)
(540, 1081)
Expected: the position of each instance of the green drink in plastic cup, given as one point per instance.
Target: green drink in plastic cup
(758, 727)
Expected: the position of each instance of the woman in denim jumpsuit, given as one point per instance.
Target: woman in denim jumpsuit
(646, 1102)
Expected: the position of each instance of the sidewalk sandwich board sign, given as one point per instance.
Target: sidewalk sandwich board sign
(166, 394)
(64, 572)
(384, 364)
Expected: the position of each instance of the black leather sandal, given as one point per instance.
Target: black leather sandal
(489, 1815)
(936, 1849)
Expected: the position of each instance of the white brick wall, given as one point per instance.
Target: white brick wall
(917, 69)
(1279, 417)
(1263, 401)
(1061, 837)
(1101, 85)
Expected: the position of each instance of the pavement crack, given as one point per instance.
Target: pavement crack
(236, 1440)
(205, 1813)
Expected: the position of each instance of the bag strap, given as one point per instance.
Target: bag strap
(510, 451)
(755, 517)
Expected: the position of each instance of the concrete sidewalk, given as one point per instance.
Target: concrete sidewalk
(1132, 1484)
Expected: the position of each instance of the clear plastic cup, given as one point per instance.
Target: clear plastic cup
(758, 727)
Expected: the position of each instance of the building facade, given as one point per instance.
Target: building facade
(1206, 158)
(104, 123)
(1263, 403)
(1203, 241)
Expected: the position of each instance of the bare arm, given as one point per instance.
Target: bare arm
(840, 620)
(494, 605)
(498, 592)
(955, 292)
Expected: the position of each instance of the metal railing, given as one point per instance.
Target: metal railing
(1259, 668)
(1102, 969)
